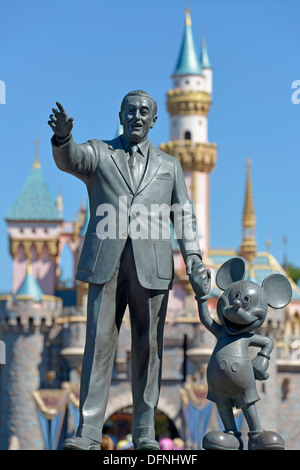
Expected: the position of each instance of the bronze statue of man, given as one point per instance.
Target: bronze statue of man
(123, 269)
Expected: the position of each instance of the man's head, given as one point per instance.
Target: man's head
(137, 115)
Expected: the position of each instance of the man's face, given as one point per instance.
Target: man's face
(137, 118)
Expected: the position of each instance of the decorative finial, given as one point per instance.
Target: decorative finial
(248, 248)
(249, 215)
(37, 155)
(188, 20)
(29, 269)
(59, 201)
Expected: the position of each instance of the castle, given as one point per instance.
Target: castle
(42, 323)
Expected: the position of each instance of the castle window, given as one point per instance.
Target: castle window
(187, 135)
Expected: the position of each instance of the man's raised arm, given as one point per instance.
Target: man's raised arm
(79, 160)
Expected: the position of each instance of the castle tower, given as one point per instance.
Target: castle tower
(34, 224)
(188, 103)
(25, 322)
(248, 246)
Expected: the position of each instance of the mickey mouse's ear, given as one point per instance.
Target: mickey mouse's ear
(231, 271)
(278, 290)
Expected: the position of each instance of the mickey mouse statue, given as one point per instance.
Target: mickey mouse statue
(231, 374)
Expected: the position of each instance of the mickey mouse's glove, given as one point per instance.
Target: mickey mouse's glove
(200, 280)
(260, 365)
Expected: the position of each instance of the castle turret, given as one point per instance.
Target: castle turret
(29, 287)
(188, 103)
(25, 322)
(34, 224)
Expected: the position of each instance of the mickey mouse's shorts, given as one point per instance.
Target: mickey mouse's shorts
(231, 381)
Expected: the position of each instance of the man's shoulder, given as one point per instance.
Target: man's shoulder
(165, 156)
(170, 160)
(107, 145)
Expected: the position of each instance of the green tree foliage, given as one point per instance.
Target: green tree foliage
(293, 272)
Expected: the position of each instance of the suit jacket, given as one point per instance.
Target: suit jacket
(102, 166)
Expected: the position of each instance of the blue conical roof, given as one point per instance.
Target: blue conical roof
(204, 59)
(188, 63)
(30, 288)
(34, 201)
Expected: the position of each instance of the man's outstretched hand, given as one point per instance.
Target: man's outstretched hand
(200, 278)
(60, 122)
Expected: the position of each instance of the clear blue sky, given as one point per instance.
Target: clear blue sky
(88, 54)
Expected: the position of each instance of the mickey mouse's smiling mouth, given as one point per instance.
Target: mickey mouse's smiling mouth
(237, 321)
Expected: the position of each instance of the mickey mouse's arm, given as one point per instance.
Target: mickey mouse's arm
(264, 342)
(206, 319)
(261, 361)
(201, 286)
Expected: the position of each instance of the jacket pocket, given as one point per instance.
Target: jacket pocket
(163, 176)
(90, 253)
(164, 259)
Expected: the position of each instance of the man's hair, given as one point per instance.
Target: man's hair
(140, 93)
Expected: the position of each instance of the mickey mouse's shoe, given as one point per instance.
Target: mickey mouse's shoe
(265, 440)
(218, 440)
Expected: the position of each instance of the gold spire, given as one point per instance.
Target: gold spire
(59, 201)
(29, 269)
(188, 20)
(37, 155)
(248, 247)
(249, 214)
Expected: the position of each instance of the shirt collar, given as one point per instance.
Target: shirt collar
(143, 146)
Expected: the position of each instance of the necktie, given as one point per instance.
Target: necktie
(134, 166)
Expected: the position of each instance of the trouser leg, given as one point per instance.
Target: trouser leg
(147, 350)
(106, 306)
(147, 315)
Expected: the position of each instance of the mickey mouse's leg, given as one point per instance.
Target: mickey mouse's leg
(230, 439)
(250, 413)
(258, 438)
(227, 417)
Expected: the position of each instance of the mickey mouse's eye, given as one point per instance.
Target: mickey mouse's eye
(237, 295)
(247, 298)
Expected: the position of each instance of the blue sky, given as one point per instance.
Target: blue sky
(87, 55)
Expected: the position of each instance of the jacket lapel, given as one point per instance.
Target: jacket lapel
(118, 155)
(152, 167)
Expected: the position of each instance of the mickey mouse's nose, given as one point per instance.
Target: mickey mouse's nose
(236, 304)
